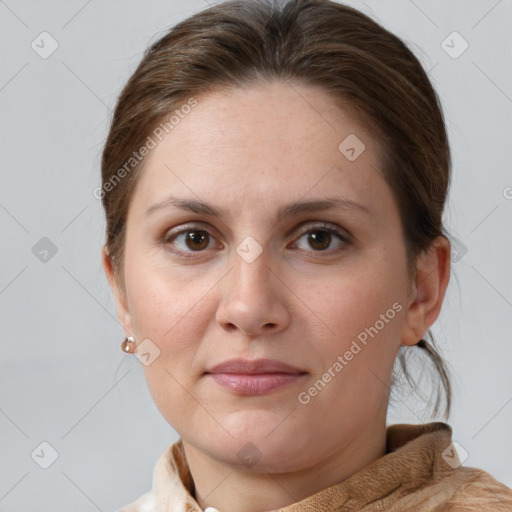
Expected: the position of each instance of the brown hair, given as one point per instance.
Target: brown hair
(360, 64)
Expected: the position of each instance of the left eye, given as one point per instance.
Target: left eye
(320, 238)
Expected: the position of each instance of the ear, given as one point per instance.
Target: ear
(119, 294)
(428, 290)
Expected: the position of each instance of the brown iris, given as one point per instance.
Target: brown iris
(319, 237)
(197, 237)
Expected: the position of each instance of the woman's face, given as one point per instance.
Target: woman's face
(321, 289)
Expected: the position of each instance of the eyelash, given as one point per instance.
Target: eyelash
(169, 237)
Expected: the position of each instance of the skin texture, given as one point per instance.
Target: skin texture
(249, 152)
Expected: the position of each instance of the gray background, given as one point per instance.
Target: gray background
(65, 381)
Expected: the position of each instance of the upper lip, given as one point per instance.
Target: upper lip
(254, 366)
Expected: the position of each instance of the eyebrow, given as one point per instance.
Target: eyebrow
(285, 211)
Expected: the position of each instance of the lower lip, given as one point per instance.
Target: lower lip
(255, 384)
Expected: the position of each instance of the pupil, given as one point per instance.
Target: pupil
(320, 237)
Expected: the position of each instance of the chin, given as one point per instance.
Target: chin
(261, 440)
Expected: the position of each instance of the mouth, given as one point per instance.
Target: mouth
(254, 377)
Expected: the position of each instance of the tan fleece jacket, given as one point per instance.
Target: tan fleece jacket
(421, 472)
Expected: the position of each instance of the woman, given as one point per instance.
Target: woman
(274, 181)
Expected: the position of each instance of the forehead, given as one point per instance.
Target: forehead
(275, 140)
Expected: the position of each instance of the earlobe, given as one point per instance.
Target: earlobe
(433, 273)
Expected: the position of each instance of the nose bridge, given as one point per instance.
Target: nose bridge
(252, 271)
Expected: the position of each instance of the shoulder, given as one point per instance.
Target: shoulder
(476, 490)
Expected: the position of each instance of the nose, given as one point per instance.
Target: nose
(254, 298)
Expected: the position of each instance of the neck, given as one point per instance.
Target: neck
(230, 489)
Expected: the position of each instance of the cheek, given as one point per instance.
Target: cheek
(348, 302)
(163, 299)
(365, 313)
(364, 309)
(173, 313)
(167, 312)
